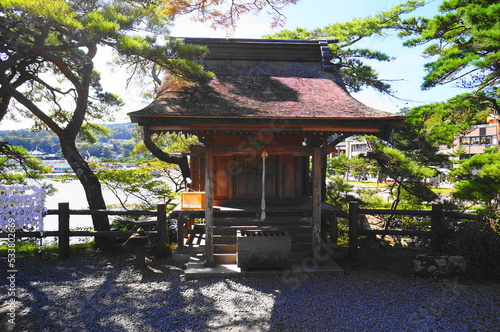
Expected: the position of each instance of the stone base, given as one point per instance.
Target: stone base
(439, 265)
(264, 251)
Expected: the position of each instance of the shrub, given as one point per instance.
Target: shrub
(478, 242)
(123, 224)
(338, 192)
(371, 199)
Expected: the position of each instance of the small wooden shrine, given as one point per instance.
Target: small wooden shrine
(267, 120)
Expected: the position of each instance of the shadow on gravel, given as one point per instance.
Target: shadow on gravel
(379, 292)
(103, 292)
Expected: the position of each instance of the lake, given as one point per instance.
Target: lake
(72, 193)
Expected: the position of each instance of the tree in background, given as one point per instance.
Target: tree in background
(430, 129)
(17, 165)
(408, 176)
(142, 184)
(436, 125)
(358, 166)
(464, 41)
(347, 59)
(337, 165)
(42, 140)
(478, 188)
(338, 192)
(47, 54)
(479, 182)
(407, 173)
(356, 74)
(225, 13)
(173, 143)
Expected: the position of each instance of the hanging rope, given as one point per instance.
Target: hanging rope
(263, 201)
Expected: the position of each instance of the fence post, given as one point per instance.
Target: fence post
(353, 229)
(63, 214)
(436, 228)
(162, 249)
(334, 227)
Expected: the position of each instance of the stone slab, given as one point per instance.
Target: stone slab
(196, 270)
(264, 251)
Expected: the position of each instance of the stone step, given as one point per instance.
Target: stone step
(301, 246)
(302, 257)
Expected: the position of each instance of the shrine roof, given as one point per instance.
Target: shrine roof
(260, 79)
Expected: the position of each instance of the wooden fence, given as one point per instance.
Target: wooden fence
(64, 232)
(435, 233)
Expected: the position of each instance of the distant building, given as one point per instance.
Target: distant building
(353, 147)
(480, 137)
(44, 156)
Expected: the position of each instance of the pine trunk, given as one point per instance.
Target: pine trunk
(92, 188)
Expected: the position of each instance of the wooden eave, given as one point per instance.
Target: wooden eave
(279, 126)
(262, 49)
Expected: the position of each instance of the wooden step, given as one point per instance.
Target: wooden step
(232, 241)
(225, 248)
(231, 231)
(302, 236)
(225, 258)
(189, 250)
(301, 239)
(225, 239)
(228, 230)
(278, 225)
(253, 219)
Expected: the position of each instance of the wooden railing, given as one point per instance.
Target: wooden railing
(64, 232)
(435, 233)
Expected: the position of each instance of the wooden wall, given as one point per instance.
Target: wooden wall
(240, 177)
(238, 167)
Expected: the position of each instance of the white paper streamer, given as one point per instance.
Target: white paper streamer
(24, 204)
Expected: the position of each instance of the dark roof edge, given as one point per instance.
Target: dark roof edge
(249, 58)
(301, 118)
(193, 40)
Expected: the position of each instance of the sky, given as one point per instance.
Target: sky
(407, 70)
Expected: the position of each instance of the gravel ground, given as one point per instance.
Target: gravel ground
(97, 292)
